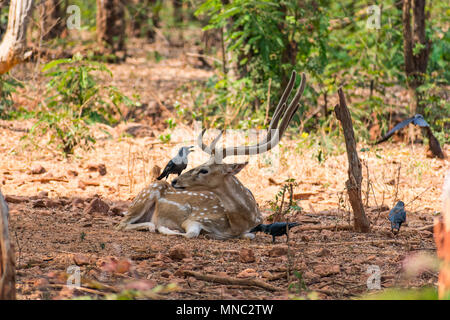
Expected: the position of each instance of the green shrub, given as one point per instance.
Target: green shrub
(74, 100)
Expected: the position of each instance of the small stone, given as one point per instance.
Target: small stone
(178, 252)
(38, 169)
(248, 273)
(40, 203)
(278, 251)
(246, 256)
(42, 194)
(267, 275)
(97, 205)
(80, 259)
(166, 274)
(101, 168)
(323, 252)
(72, 173)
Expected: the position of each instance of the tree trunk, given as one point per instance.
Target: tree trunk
(53, 23)
(13, 44)
(7, 264)
(414, 37)
(141, 12)
(111, 25)
(353, 184)
(442, 239)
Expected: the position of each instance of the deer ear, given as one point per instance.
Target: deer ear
(235, 168)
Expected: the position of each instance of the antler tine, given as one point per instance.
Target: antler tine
(293, 106)
(212, 146)
(211, 149)
(281, 107)
(200, 142)
(266, 145)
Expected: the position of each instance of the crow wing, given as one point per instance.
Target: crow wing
(399, 126)
(167, 170)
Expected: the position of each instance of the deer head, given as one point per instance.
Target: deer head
(210, 197)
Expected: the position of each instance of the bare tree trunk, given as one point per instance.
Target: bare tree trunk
(442, 239)
(414, 39)
(53, 19)
(353, 184)
(111, 25)
(13, 44)
(7, 264)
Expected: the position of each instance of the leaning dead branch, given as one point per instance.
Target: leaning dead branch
(353, 184)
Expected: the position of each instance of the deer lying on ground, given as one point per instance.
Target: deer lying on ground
(210, 198)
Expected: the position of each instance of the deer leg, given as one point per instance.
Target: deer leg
(170, 232)
(248, 235)
(192, 229)
(144, 226)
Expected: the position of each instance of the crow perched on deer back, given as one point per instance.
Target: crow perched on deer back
(397, 216)
(177, 164)
(274, 229)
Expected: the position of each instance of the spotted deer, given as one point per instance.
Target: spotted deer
(209, 198)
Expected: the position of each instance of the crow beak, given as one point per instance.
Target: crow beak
(191, 148)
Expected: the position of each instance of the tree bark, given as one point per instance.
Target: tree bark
(7, 264)
(13, 44)
(53, 19)
(442, 239)
(413, 37)
(111, 25)
(353, 184)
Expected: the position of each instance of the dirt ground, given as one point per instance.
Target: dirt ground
(53, 226)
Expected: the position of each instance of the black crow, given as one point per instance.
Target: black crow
(177, 164)
(397, 216)
(418, 120)
(274, 229)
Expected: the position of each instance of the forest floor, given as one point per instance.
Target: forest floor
(53, 226)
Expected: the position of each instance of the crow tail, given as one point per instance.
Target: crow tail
(293, 224)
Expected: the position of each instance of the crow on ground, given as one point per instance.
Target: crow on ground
(177, 164)
(274, 229)
(397, 216)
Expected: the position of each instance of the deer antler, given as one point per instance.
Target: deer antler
(282, 111)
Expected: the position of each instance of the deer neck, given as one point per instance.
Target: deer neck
(234, 196)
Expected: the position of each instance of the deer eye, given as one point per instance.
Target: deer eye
(203, 171)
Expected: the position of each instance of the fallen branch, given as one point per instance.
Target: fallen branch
(228, 280)
(328, 227)
(360, 242)
(48, 179)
